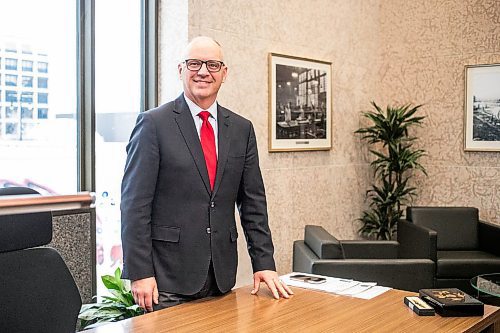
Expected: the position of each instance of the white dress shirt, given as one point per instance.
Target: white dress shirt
(195, 109)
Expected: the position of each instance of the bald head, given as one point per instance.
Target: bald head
(201, 43)
(201, 83)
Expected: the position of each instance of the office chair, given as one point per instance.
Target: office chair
(37, 291)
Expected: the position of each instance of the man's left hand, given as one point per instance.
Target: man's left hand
(273, 282)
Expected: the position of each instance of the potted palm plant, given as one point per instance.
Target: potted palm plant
(395, 159)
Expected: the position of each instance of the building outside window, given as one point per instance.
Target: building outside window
(11, 128)
(40, 152)
(27, 81)
(43, 67)
(27, 97)
(43, 113)
(11, 64)
(11, 96)
(11, 112)
(43, 82)
(10, 80)
(43, 98)
(26, 113)
(27, 65)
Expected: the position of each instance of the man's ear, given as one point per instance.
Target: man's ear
(179, 68)
(224, 74)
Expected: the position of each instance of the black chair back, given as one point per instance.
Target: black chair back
(457, 227)
(38, 293)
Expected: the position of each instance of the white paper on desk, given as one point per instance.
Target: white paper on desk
(357, 289)
(347, 287)
(371, 292)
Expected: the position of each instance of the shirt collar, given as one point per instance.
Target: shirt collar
(195, 109)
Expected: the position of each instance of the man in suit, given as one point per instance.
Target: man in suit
(188, 163)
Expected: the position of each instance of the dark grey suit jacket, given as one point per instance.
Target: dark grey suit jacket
(172, 224)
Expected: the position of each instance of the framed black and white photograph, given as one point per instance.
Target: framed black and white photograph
(482, 108)
(300, 104)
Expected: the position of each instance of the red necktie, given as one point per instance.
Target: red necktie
(207, 138)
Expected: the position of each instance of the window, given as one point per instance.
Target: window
(11, 96)
(11, 128)
(11, 112)
(10, 80)
(11, 64)
(41, 27)
(43, 67)
(43, 98)
(118, 53)
(43, 113)
(27, 113)
(27, 66)
(26, 97)
(43, 82)
(28, 82)
(73, 38)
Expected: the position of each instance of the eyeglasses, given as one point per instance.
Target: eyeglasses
(195, 65)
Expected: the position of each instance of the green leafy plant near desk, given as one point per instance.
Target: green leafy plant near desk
(119, 306)
(395, 160)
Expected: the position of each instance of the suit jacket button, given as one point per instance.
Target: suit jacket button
(208, 230)
(212, 204)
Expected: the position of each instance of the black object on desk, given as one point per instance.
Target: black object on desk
(452, 302)
(417, 305)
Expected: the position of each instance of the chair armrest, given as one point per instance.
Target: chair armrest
(322, 243)
(489, 236)
(303, 257)
(405, 274)
(366, 249)
(416, 241)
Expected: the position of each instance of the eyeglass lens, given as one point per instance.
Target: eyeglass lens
(195, 65)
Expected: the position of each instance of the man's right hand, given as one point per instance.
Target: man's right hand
(145, 292)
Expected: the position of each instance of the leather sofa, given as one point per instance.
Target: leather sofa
(369, 261)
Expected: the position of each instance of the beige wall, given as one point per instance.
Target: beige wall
(388, 51)
(426, 46)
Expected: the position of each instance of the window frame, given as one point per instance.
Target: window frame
(86, 83)
(85, 111)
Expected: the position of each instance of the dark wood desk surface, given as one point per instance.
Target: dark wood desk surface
(306, 311)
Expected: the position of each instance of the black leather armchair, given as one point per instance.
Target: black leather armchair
(460, 245)
(38, 293)
(379, 261)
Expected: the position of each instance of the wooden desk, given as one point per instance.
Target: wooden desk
(306, 311)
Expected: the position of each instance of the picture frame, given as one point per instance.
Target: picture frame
(482, 108)
(300, 104)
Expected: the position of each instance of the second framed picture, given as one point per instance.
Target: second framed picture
(482, 107)
(300, 104)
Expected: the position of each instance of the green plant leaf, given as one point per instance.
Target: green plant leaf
(395, 160)
(113, 308)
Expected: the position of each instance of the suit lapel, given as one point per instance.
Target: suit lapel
(186, 125)
(224, 142)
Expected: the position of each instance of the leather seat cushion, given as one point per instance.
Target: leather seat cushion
(466, 264)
